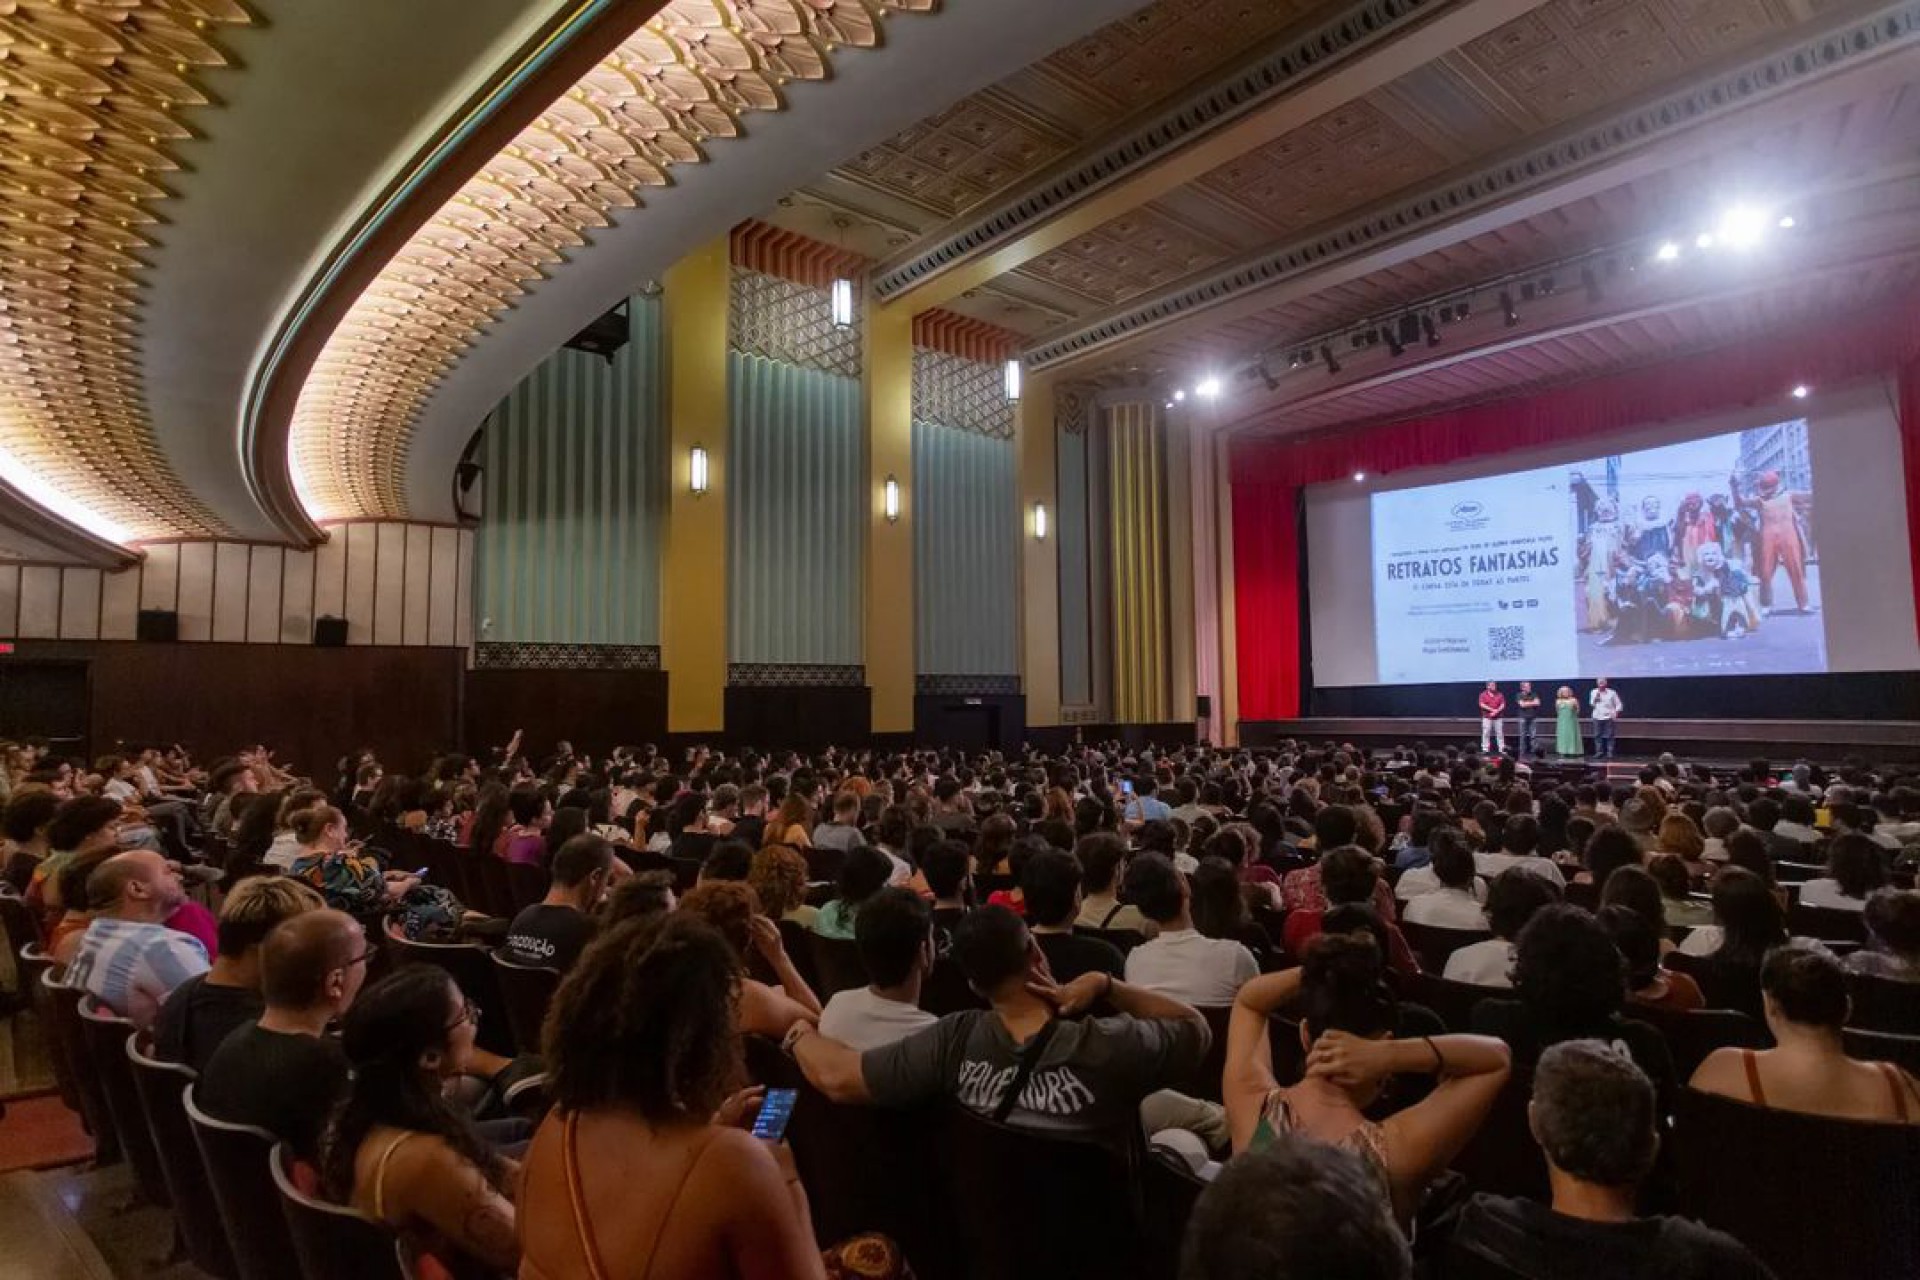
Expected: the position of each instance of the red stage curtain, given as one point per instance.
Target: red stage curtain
(1267, 476)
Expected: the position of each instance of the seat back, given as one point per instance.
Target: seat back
(330, 1241)
(945, 989)
(1206, 1079)
(470, 966)
(160, 1086)
(1882, 1004)
(997, 1174)
(1826, 922)
(1692, 1036)
(488, 878)
(526, 992)
(33, 965)
(63, 1016)
(1122, 940)
(16, 919)
(1884, 1046)
(1502, 1158)
(238, 1172)
(837, 963)
(1433, 944)
(796, 938)
(1452, 1001)
(1733, 1159)
(1168, 1192)
(107, 1034)
(526, 884)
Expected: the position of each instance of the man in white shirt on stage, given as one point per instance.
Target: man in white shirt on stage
(1606, 707)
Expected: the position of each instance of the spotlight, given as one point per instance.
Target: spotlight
(1704, 240)
(1266, 376)
(1463, 308)
(1426, 326)
(1590, 281)
(1802, 391)
(1208, 389)
(1326, 358)
(1667, 252)
(1786, 223)
(1548, 285)
(1742, 227)
(1178, 395)
(1507, 312)
(1359, 476)
(1394, 345)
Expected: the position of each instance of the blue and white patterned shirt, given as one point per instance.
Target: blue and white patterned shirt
(131, 966)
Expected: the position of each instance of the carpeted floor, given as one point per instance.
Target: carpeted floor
(40, 1133)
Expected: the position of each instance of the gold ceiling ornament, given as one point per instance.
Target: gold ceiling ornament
(93, 93)
(686, 77)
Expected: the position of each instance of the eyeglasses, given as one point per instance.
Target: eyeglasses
(362, 958)
(469, 1016)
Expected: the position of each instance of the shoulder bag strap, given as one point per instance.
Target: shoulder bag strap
(1029, 1059)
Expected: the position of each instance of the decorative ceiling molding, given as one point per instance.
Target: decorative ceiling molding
(93, 100)
(687, 77)
(27, 536)
(1310, 53)
(1802, 62)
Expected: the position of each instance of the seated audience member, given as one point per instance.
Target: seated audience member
(1720, 822)
(1295, 1210)
(895, 936)
(285, 846)
(29, 813)
(1748, 922)
(551, 933)
(947, 866)
(1648, 984)
(204, 1010)
(1594, 1115)
(778, 877)
(1610, 849)
(70, 886)
(524, 839)
(1795, 829)
(790, 824)
(1808, 1069)
(129, 959)
(1347, 1015)
(1179, 961)
(731, 860)
(842, 832)
(1893, 935)
(1570, 983)
(1856, 866)
(1675, 881)
(1418, 851)
(1051, 883)
(643, 1166)
(1218, 901)
(83, 828)
(730, 908)
(649, 893)
(1634, 888)
(1512, 899)
(398, 1151)
(1518, 845)
(1088, 1075)
(1457, 904)
(1103, 861)
(350, 880)
(1334, 826)
(1423, 879)
(865, 872)
(283, 1073)
(1349, 876)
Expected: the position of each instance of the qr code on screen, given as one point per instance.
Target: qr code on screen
(1506, 644)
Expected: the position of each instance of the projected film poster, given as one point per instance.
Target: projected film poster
(1695, 558)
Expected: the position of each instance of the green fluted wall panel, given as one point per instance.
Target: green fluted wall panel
(568, 551)
(796, 510)
(1072, 521)
(966, 547)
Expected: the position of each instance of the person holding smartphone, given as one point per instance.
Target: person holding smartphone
(647, 1164)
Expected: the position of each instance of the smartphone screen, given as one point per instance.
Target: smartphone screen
(776, 1109)
(1126, 788)
(420, 872)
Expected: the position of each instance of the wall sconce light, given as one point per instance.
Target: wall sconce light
(1013, 382)
(697, 470)
(842, 303)
(1039, 522)
(890, 500)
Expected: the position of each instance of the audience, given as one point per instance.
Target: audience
(283, 1073)
(202, 1011)
(1350, 876)
(1649, 986)
(1295, 1210)
(1856, 866)
(778, 877)
(553, 932)
(895, 937)
(1748, 922)
(730, 908)
(399, 1151)
(129, 959)
(1808, 1070)
(1050, 883)
(1513, 898)
(1457, 903)
(1893, 929)
(1103, 861)
(1594, 1115)
(865, 872)
(1179, 961)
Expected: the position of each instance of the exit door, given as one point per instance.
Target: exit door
(46, 700)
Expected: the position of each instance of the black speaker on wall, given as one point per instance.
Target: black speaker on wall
(1203, 707)
(158, 624)
(330, 633)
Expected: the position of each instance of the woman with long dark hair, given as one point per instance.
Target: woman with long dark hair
(397, 1150)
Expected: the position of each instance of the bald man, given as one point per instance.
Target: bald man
(129, 960)
(284, 1073)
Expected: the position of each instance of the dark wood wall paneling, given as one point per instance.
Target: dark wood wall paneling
(594, 710)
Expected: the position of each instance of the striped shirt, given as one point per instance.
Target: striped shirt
(131, 966)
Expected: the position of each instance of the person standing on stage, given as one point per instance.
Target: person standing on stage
(1566, 725)
(1528, 704)
(1606, 706)
(1493, 705)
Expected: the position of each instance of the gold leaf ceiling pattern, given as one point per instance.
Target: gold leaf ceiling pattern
(685, 78)
(93, 94)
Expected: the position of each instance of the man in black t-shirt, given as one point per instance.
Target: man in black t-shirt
(1593, 1116)
(202, 1011)
(283, 1073)
(553, 932)
(1050, 885)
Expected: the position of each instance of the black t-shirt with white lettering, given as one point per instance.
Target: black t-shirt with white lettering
(546, 937)
(1088, 1084)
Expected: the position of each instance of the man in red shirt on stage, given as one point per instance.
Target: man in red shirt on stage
(1493, 705)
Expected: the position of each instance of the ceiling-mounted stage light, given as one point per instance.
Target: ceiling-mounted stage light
(1668, 251)
(1742, 227)
(1326, 358)
(842, 303)
(1266, 376)
(1802, 391)
(1507, 312)
(1590, 281)
(1786, 222)
(1178, 395)
(1395, 347)
(1426, 326)
(1013, 381)
(1359, 477)
(1208, 388)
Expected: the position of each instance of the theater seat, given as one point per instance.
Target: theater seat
(1169, 1190)
(837, 963)
(1736, 1161)
(1881, 1004)
(1883, 1046)
(107, 1034)
(63, 1018)
(1452, 1001)
(525, 991)
(1433, 945)
(1693, 1035)
(331, 1241)
(195, 1212)
(468, 965)
(1501, 1158)
(235, 1158)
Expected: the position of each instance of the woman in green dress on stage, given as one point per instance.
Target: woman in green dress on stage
(1566, 725)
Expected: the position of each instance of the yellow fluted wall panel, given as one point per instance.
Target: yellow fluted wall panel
(1142, 657)
(1039, 557)
(888, 368)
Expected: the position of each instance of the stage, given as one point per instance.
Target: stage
(1780, 741)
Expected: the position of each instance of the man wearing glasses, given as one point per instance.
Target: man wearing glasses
(284, 1073)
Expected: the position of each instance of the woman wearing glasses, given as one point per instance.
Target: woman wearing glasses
(398, 1150)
